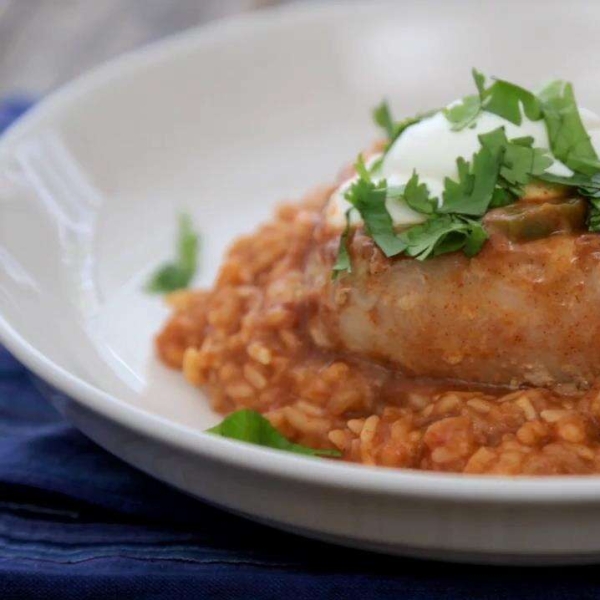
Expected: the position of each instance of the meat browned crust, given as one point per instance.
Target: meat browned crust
(517, 313)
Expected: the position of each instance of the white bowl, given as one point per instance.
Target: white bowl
(225, 121)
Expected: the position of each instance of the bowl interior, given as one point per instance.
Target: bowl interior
(223, 123)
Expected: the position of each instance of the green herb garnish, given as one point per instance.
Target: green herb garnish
(588, 186)
(472, 193)
(505, 100)
(593, 219)
(501, 98)
(178, 274)
(382, 115)
(496, 175)
(441, 234)
(369, 198)
(520, 162)
(250, 426)
(569, 141)
(464, 114)
(343, 263)
(417, 196)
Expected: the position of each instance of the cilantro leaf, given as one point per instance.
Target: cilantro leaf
(376, 164)
(588, 186)
(441, 234)
(473, 192)
(569, 141)
(361, 169)
(556, 104)
(495, 176)
(505, 99)
(463, 114)
(575, 180)
(526, 140)
(343, 263)
(520, 161)
(250, 426)
(475, 237)
(178, 274)
(585, 165)
(382, 116)
(479, 79)
(502, 197)
(591, 190)
(501, 98)
(541, 161)
(417, 196)
(591, 187)
(401, 126)
(593, 220)
(369, 200)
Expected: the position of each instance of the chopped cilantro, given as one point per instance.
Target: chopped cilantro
(444, 233)
(586, 186)
(402, 126)
(526, 140)
(505, 100)
(382, 115)
(479, 79)
(496, 175)
(576, 180)
(476, 236)
(473, 192)
(464, 114)
(501, 98)
(593, 220)
(178, 274)
(417, 196)
(343, 263)
(376, 164)
(441, 233)
(250, 426)
(569, 141)
(361, 168)
(368, 198)
(501, 197)
(591, 187)
(520, 161)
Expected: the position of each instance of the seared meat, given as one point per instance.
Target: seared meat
(517, 313)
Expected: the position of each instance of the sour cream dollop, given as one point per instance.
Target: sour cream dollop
(431, 148)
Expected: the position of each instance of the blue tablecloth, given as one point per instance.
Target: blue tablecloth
(77, 523)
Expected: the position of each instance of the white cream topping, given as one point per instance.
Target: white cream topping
(431, 148)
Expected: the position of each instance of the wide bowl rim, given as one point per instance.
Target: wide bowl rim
(324, 473)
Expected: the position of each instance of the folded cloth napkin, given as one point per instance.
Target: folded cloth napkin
(77, 523)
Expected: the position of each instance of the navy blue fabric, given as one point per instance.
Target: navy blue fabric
(12, 108)
(77, 523)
